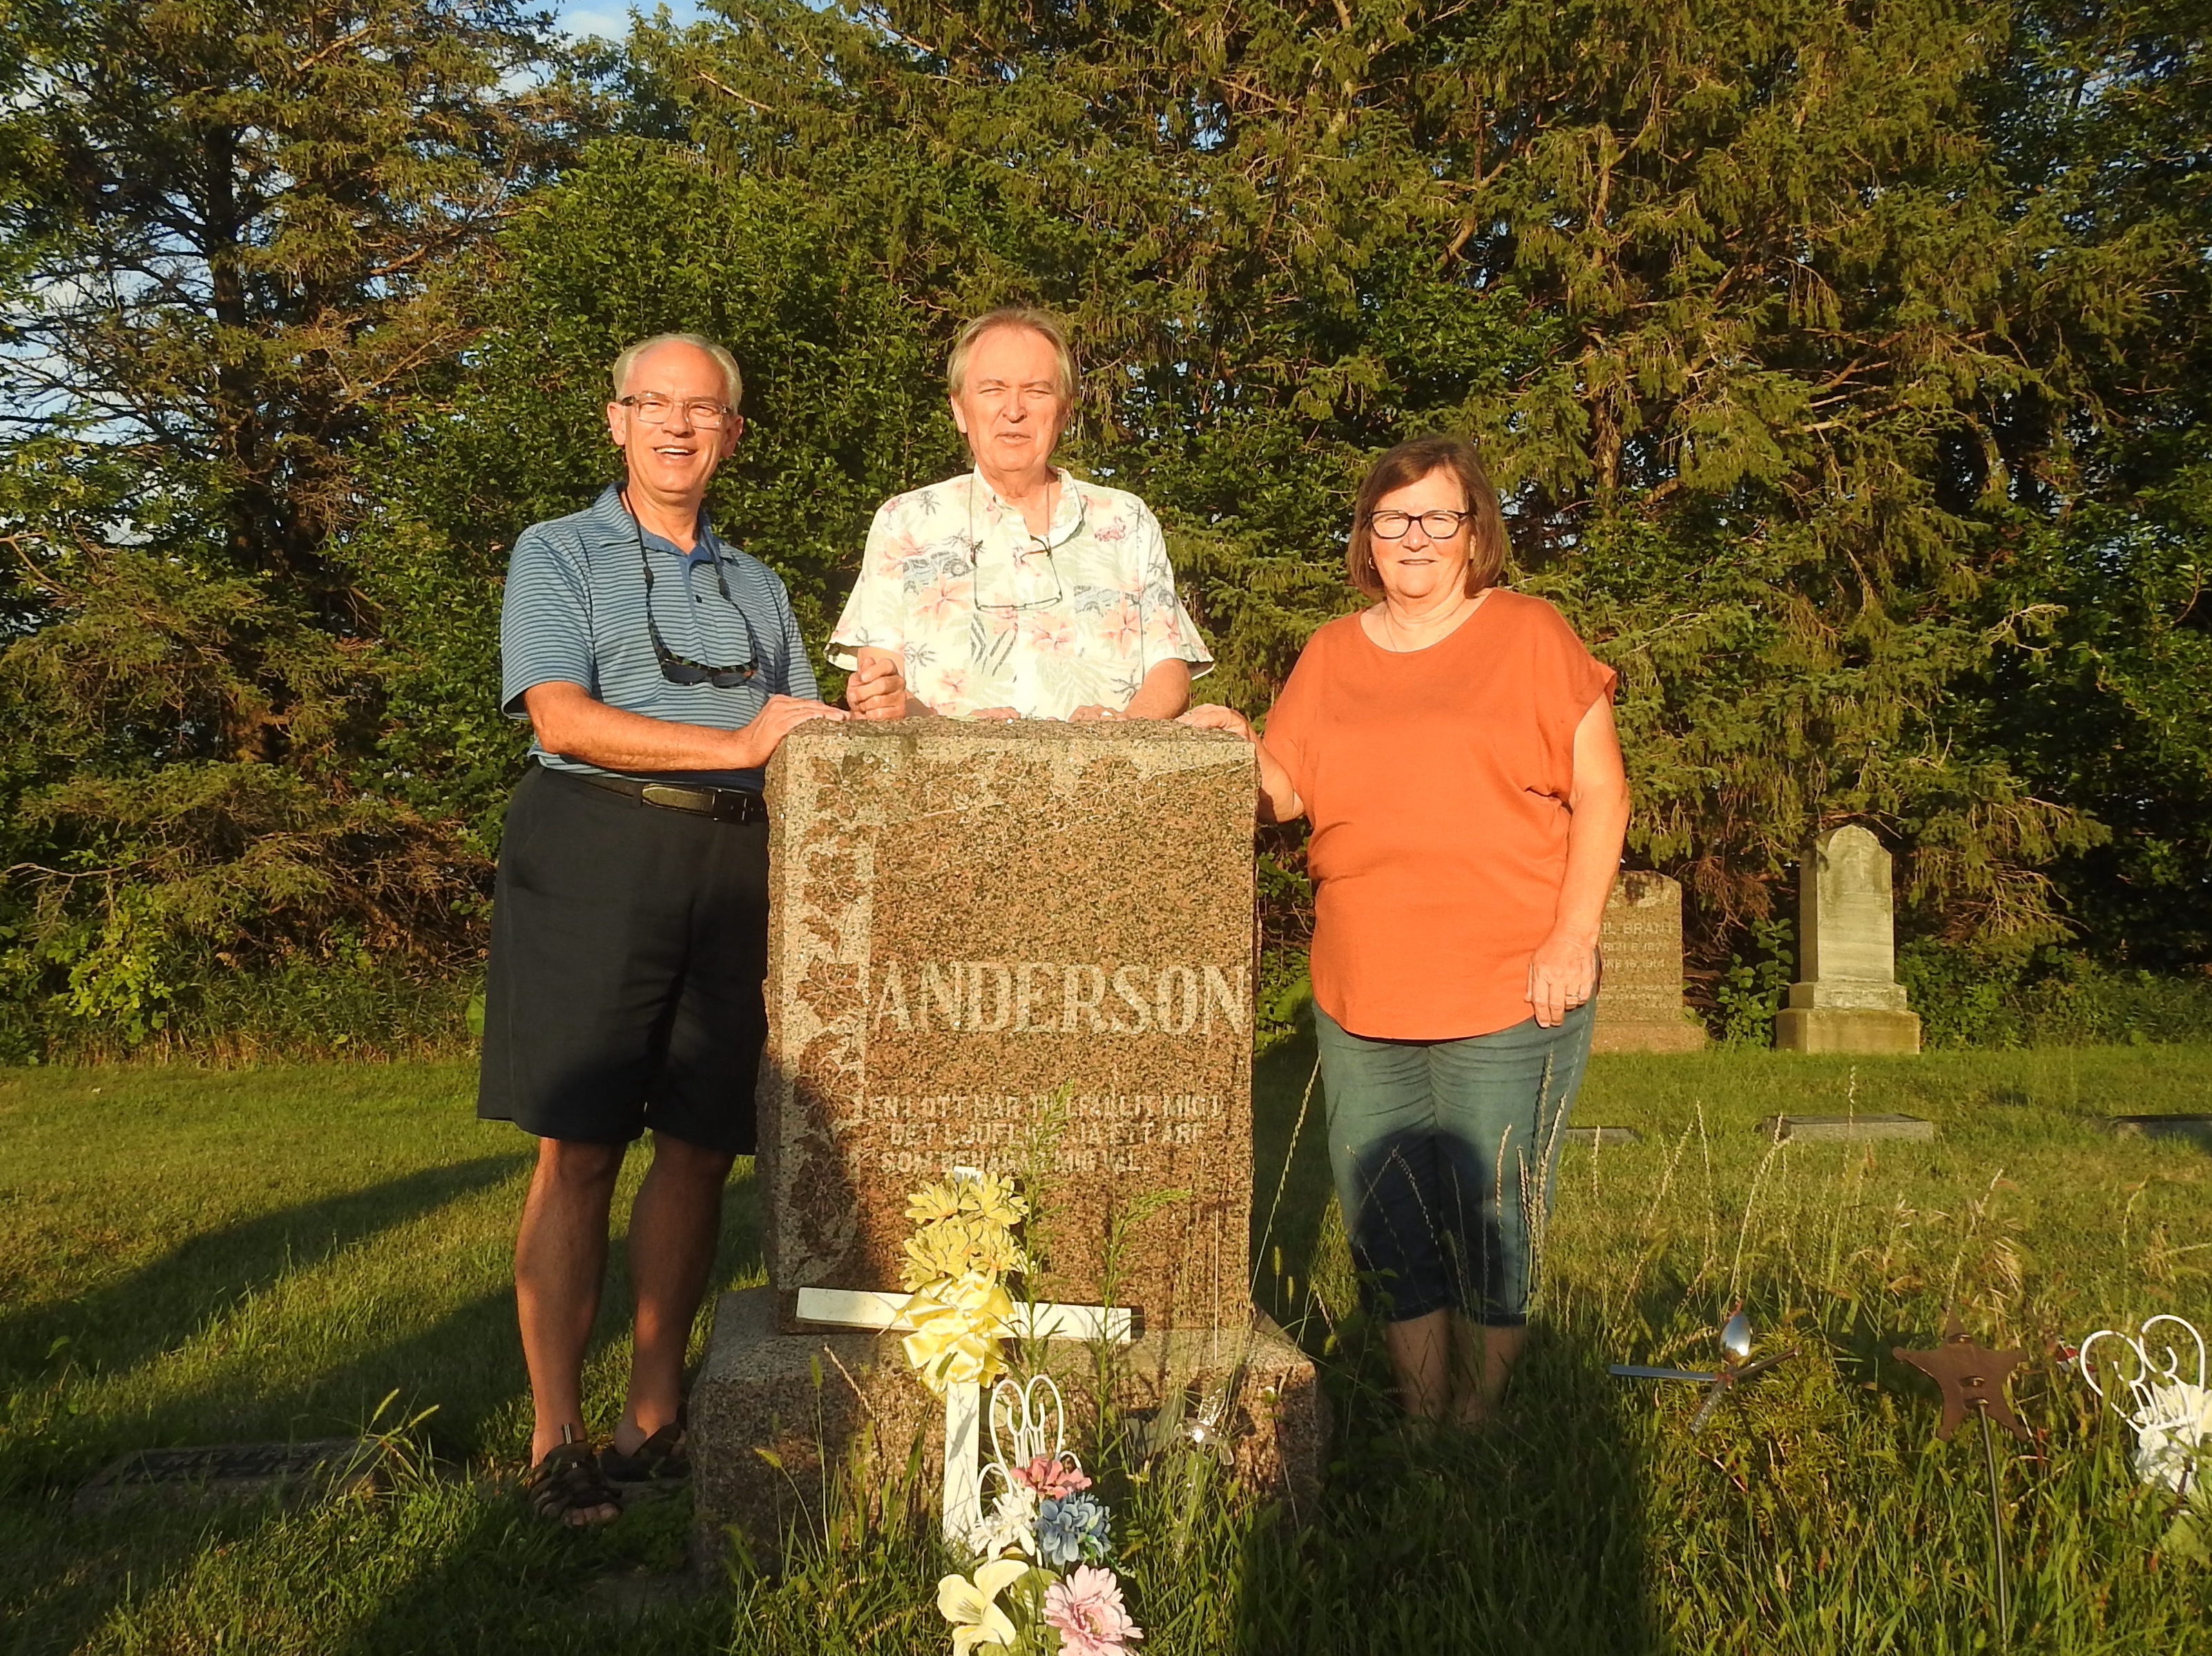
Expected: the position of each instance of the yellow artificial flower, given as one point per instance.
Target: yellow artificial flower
(932, 1202)
(954, 1247)
(993, 1198)
(939, 1250)
(972, 1606)
(991, 1249)
(958, 1326)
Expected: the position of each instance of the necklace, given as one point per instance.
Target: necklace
(1456, 614)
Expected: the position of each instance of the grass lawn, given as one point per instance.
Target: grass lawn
(203, 1257)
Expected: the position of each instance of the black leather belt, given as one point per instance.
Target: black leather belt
(723, 805)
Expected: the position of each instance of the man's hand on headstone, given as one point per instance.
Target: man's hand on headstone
(877, 690)
(998, 715)
(1091, 714)
(759, 740)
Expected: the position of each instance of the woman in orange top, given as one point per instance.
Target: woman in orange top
(1453, 746)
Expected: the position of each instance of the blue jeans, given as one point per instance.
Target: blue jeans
(1443, 1152)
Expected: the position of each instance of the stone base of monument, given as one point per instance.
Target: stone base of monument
(1846, 1029)
(1679, 1034)
(775, 1417)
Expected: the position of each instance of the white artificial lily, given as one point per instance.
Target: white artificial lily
(1011, 1523)
(2173, 1437)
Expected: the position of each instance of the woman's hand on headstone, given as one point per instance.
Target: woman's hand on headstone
(1212, 716)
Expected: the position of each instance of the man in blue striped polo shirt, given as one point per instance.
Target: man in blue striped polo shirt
(659, 670)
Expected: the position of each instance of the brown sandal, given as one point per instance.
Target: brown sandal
(565, 1487)
(659, 1462)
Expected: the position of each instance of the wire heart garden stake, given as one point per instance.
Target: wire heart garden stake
(1734, 1369)
(2171, 1414)
(1027, 1424)
(1972, 1379)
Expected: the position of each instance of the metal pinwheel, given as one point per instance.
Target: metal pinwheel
(1735, 1368)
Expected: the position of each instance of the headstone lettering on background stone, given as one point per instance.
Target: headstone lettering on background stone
(1023, 948)
(1639, 1005)
(1847, 999)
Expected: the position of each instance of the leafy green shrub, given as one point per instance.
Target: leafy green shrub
(2054, 997)
(361, 1008)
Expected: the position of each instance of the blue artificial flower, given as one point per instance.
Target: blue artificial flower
(1072, 1531)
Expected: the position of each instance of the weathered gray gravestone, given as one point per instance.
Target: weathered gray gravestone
(1847, 999)
(1021, 948)
(1639, 1004)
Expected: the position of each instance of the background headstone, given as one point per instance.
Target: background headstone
(1025, 948)
(1847, 999)
(1639, 1004)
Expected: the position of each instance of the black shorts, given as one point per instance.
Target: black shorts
(628, 946)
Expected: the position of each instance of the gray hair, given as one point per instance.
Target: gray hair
(1042, 323)
(733, 382)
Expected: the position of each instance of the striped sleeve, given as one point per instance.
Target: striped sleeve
(798, 673)
(545, 622)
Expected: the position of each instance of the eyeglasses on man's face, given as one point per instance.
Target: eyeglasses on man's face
(1438, 525)
(701, 413)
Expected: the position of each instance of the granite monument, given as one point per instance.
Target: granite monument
(1847, 999)
(1639, 1002)
(1024, 948)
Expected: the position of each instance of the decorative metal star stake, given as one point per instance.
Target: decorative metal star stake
(1973, 1378)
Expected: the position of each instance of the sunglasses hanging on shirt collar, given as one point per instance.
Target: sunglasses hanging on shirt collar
(681, 670)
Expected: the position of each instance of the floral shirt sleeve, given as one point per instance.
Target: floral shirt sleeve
(875, 614)
(986, 615)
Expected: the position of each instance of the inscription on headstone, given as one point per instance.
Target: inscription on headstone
(1847, 999)
(1639, 1006)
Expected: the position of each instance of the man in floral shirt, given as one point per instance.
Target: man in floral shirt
(1015, 590)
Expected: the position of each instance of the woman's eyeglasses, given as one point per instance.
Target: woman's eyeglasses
(681, 670)
(1438, 525)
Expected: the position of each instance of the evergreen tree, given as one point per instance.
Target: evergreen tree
(241, 227)
(1776, 359)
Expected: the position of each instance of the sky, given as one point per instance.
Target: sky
(610, 18)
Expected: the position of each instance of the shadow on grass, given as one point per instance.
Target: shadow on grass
(487, 1574)
(134, 1318)
(1528, 1538)
(467, 1366)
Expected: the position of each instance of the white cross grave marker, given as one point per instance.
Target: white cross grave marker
(963, 1404)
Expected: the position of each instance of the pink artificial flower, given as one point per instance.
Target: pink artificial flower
(1052, 1479)
(1087, 1609)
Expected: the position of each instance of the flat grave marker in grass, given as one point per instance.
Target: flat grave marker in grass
(1818, 1128)
(1604, 1136)
(219, 1472)
(2189, 1129)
